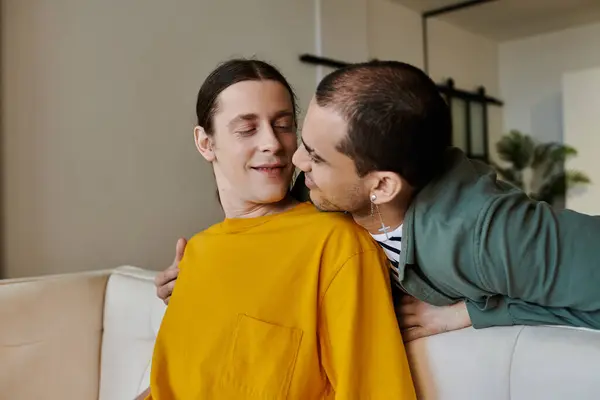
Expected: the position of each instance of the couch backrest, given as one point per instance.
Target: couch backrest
(516, 363)
(132, 316)
(50, 334)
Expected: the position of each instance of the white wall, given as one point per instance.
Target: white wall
(99, 164)
(531, 71)
(581, 122)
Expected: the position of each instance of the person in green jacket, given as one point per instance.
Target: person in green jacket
(467, 248)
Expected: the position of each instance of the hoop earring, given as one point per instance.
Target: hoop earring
(375, 207)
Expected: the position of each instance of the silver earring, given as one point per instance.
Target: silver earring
(373, 198)
(375, 207)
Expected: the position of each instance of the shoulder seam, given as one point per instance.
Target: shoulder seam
(337, 272)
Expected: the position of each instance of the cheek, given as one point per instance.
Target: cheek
(324, 178)
(290, 143)
(334, 182)
(234, 155)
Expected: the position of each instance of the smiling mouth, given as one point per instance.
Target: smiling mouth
(269, 169)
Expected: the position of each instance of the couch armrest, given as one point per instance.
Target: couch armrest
(50, 335)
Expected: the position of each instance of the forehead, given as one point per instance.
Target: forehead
(253, 97)
(323, 130)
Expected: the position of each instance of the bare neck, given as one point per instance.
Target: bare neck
(243, 209)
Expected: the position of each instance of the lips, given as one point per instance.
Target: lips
(267, 169)
(269, 166)
(271, 170)
(309, 183)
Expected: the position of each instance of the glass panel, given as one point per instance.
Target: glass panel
(477, 130)
(459, 124)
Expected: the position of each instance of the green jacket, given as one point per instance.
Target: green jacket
(515, 261)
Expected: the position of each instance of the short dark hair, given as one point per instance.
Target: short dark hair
(397, 119)
(229, 73)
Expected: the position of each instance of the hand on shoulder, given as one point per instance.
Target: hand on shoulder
(165, 280)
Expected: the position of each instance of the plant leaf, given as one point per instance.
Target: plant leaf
(517, 149)
(552, 188)
(574, 178)
(541, 153)
(508, 174)
(558, 184)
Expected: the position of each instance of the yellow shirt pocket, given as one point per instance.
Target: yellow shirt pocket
(262, 358)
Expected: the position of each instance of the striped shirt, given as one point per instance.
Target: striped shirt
(391, 244)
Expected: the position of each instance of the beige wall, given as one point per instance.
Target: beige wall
(99, 165)
(531, 72)
(581, 123)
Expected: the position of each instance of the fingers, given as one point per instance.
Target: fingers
(179, 250)
(164, 292)
(408, 321)
(415, 333)
(407, 309)
(166, 276)
(165, 280)
(408, 299)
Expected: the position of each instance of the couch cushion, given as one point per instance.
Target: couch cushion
(465, 364)
(132, 316)
(508, 363)
(556, 363)
(50, 333)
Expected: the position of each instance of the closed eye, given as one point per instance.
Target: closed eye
(246, 132)
(284, 128)
(315, 158)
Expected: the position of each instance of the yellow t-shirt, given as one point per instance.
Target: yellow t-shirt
(289, 306)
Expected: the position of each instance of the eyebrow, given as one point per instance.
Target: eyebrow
(283, 113)
(252, 117)
(311, 151)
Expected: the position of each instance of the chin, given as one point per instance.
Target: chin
(272, 196)
(321, 203)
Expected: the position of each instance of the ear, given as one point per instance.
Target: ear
(204, 144)
(387, 185)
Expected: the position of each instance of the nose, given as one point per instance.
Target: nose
(301, 160)
(269, 140)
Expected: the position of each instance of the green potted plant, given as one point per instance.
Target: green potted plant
(538, 168)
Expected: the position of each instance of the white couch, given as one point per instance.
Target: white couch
(89, 336)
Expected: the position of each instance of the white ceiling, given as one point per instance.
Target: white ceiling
(511, 19)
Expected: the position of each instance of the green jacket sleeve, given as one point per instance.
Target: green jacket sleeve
(485, 318)
(518, 312)
(541, 259)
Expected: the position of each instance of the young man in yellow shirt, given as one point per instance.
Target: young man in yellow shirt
(279, 301)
